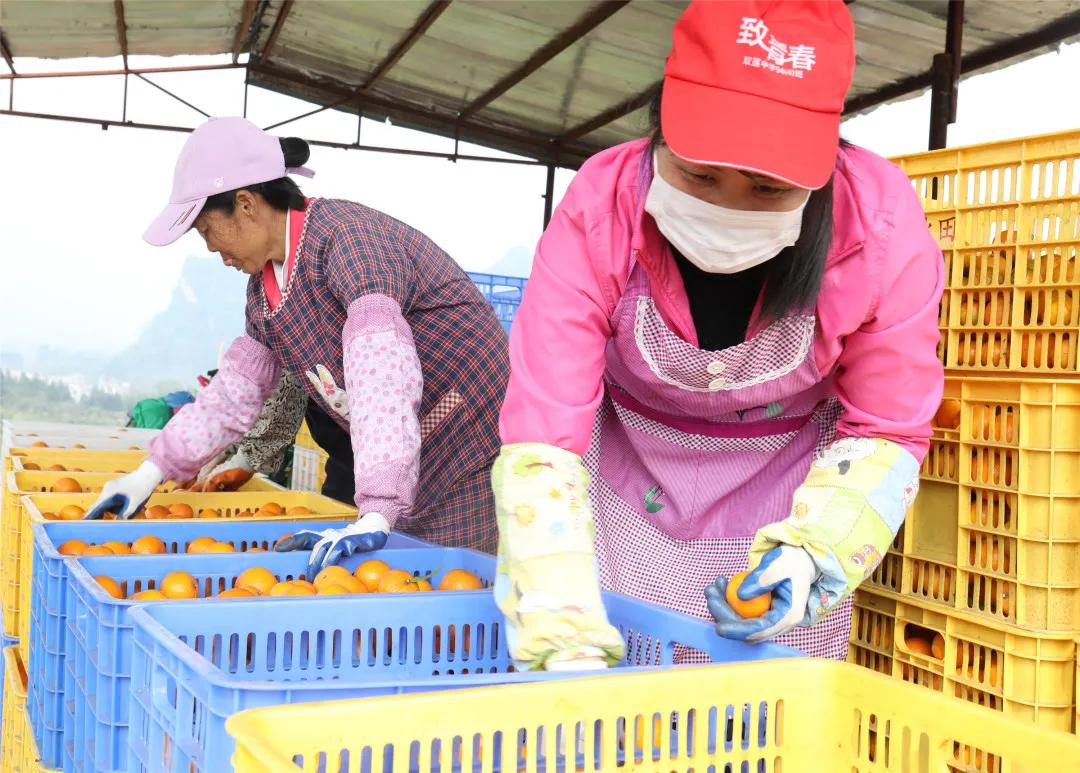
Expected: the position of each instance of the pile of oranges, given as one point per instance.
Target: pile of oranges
(178, 511)
(373, 576)
(149, 545)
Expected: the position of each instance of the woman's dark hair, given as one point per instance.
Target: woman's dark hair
(793, 277)
(282, 194)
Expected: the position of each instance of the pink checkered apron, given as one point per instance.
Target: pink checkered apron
(694, 450)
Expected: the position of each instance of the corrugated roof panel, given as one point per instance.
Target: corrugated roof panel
(60, 30)
(173, 27)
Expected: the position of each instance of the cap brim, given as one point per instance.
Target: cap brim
(718, 127)
(173, 222)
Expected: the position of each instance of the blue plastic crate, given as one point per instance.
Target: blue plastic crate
(193, 666)
(98, 651)
(503, 292)
(48, 611)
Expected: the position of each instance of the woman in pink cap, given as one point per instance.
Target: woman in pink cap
(725, 357)
(387, 334)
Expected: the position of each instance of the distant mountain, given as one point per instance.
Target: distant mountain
(205, 311)
(516, 262)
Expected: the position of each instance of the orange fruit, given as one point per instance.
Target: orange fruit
(157, 511)
(273, 507)
(256, 578)
(98, 550)
(78, 445)
(305, 583)
(256, 550)
(179, 585)
(259, 514)
(948, 415)
(280, 589)
(460, 579)
(220, 547)
(200, 544)
(371, 573)
(66, 486)
(237, 593)
(243, 514)
(110, 585)
(71, 513)
(150, 595)
(333, 590)
(73, 547)
(50, 516)
(397, 581)
(148, 545)
(422, 584)
(351, 584)
(755, 607)
(330, 575)
(300, 589)
(119, 548)
(937, 646)
(181, 510)
(39, 444)
(31, 466)
(918, 644)
(208, 512)
(298, 510)
(77, 469)
(57, 468)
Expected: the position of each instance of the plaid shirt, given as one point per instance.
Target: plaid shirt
(350, 251)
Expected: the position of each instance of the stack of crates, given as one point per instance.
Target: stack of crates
(503, 292)
(309, 462)
(979, 597)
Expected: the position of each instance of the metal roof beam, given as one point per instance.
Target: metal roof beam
(987, 56)
(136, 71)
(6, 53)
(243, 29)
(538, 145)
(423, 23)
(583, 26)
(105, 123)
(625, 107)
(121, 30)
(279, 22)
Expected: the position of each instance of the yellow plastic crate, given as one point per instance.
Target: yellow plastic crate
(995, 530)
(73, 460)
(1025, 675)
(1007, 218)
(305, 440)
(15, 734)
(798, 715)
(18, 549)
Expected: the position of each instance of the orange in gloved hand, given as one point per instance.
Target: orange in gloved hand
(755, 607)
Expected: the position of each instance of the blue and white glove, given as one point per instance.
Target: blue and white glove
(370, 532)
(126, 495)
(788, 573)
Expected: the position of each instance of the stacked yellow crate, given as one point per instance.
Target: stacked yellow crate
(979, 597)
(309, 462)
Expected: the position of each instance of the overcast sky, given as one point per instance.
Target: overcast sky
(75, 199)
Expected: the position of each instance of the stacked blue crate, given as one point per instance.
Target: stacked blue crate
(503, 292)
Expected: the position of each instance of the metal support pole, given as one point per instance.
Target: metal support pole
(124, 117)
(549, 194)
(945, 78)
(245, 93)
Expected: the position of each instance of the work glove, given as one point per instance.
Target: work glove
(546, 581)
(843, 519)
(125, 496)
(327, 547)
(224, 473)
(787, 573)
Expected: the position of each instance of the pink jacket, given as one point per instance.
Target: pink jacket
(877, 311)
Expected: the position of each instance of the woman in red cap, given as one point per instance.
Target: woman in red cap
(725, 358)
(387, 334)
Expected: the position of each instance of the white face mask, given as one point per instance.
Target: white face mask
(717, 239)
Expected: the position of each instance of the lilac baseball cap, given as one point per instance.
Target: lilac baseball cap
(223, 154)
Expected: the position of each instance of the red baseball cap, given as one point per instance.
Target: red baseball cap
(759, 85)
